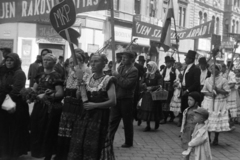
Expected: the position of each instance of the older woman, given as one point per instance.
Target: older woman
(90, 138)
(47, 110)
(14, 135)
(73, 104)
(215, 101)
(151, 110)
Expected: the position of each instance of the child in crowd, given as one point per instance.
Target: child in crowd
(188, 122)
(200, 140)
(175, 105)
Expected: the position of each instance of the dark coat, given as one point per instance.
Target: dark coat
(126, 82)
(192, 79)
(32, 73)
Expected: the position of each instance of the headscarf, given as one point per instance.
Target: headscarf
(218, 66)
(50, 55)
(17, 61)
(80, 55)
(154, 68)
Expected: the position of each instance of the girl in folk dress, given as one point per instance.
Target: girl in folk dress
(175, 105)
(91, 139)
(218, 112)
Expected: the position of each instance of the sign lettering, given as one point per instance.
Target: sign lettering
(153, 32)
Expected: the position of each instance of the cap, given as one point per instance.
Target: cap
(191, 54)
(196, 96)
(202, 112)
(202, 60)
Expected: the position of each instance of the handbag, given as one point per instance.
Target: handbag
(8, 104)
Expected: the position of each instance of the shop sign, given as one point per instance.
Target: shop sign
(204, 44)
(142, 41)
(123, 34)
(46, 34)
(38, 10)
(92, 48)
(153, 32)
(228, 44)
(8, 43)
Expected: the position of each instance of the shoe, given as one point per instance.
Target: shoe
(147, 129)
(156, 125)
(163, 122)
(126, 145)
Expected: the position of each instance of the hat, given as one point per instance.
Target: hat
(196, 96)
(130, 54)
(191, 54)
(119, 55)
(172, 59)
(141, 58)
(167, 59)
(202, 60)
(202, 112)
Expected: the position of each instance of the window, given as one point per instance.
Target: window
(233, 26)
(152, 12)
(213, 18)
(200, 18)
(116, 5)
(205, 17)
(137, 6)
(226, 27)
(217, 26)
(182, 16)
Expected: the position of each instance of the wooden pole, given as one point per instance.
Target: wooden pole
(113, 34)
(176, 36)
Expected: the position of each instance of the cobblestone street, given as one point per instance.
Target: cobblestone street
(165, 144)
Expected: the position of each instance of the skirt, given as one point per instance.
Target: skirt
(218, 120)
(175, 105)
(150, 110)
(90, 138)
(72, 109)
(232, 103)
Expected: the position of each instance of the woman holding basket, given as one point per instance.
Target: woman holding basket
(150, 110)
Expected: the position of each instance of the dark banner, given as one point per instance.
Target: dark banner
(153, 32)
(38, 10)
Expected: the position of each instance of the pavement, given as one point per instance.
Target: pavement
(165, 144)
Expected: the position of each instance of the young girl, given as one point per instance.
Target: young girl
(188, 123)
(200, 139)
(175, 105)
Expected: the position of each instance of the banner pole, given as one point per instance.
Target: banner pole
(113, 35)
(176, 36)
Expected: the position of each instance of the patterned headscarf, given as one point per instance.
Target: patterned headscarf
(218, 66)
(50, 55)
(154, 68)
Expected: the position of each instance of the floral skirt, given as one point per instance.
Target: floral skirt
(150, 110)
(218, 120)
(90, 140)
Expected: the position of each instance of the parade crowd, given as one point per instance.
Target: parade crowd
(78, 107)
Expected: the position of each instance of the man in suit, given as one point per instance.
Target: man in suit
(32, 72)
(126, 77)
(60, 68)
(118, 60)
(190, 80)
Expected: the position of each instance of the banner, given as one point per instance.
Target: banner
(38, 10)
(153, 32)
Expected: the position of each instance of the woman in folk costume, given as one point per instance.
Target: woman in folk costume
(215, 101)
(232, 97)
(73, 104)
(90, 136)
(150, 110)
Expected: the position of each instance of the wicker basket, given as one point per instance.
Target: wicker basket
(159, 95)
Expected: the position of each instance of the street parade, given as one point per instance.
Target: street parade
(119, 79)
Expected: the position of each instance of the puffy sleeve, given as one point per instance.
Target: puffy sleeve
(225, 85)
(231, 78)
(57, 80)
(109, 80)
(18, 83)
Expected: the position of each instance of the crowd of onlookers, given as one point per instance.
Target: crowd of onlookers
(79, 103)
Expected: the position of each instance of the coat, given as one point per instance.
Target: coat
(200, 142)
(126, 82)
(32, 73)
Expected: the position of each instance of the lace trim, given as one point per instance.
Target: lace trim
(100, 86)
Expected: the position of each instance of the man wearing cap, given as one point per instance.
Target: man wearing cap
(169, 75)
(205, 73)
(190, 80)
(141, 61)
(32, 72)
(60, 68)
(126, 77)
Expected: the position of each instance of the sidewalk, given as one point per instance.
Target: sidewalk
(165, 144)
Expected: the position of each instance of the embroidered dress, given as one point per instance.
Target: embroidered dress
(218, 113)
(90, 140)
(72, 109)
(175, 105)
(232, 97)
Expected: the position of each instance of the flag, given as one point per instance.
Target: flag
(165, 40)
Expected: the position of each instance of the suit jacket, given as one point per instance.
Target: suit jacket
(192, 79)
(126, 82)
(32, 73)
(140, 70)
(60, 69)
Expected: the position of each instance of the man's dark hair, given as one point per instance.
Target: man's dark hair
(46, 50)
(60, 57)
